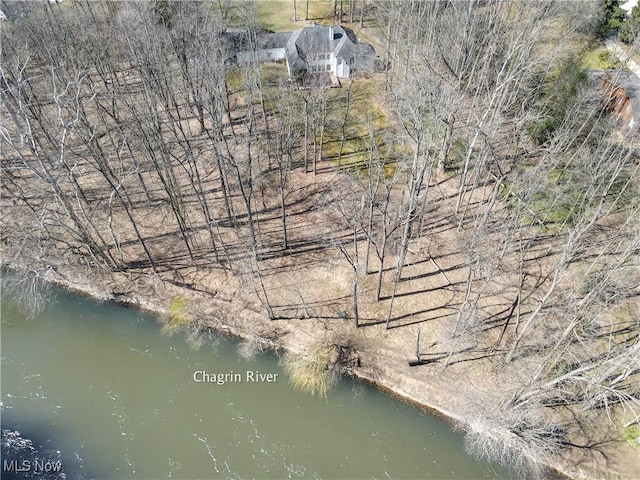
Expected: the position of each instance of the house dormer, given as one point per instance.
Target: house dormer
(334, 34)
(313, 49)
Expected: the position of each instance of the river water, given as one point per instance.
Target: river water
(98, 381)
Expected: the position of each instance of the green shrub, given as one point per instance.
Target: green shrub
(556, 203)
(613, 17)
(608, 60)
(631, 28)
(560, 89)
(456, 155)
(542, 130)
(176, 316)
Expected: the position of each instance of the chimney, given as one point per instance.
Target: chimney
(331, 32)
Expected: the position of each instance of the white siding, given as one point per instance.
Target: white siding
(342, 69)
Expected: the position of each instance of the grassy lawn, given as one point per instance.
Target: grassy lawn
(274, 73)
(277, 15)
(363, 115)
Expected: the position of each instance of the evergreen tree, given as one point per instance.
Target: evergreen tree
(613, 18)
(631, 28)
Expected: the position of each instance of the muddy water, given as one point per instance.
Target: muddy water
(100, 382)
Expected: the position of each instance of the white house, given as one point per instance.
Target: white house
(334, 49)
(313, 49)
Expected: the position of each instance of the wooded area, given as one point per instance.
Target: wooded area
(476, 187)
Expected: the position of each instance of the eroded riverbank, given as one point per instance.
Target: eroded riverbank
(101, 380)
(377, 364)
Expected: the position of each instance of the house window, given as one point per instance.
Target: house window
(328, 67)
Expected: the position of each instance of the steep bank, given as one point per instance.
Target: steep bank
(379, 363)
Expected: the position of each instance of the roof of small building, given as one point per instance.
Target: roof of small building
(238, 39)
(274, 40)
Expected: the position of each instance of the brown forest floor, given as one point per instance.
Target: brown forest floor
(312, 283)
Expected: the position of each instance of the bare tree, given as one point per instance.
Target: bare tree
(412, 106)
(351, 210)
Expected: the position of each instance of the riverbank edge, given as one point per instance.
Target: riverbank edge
(427, 396)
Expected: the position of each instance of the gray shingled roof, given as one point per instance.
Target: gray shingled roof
(238, 39)
(274, 40)
(321, 39)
